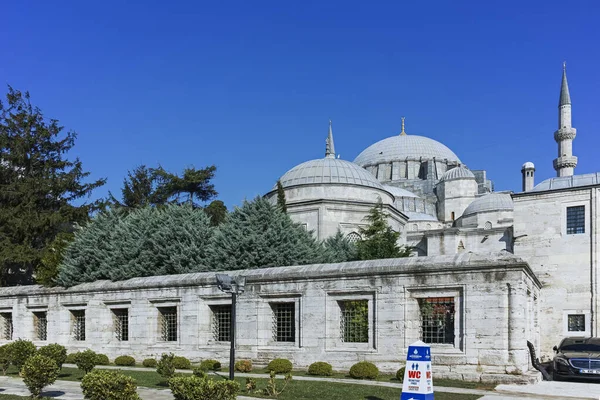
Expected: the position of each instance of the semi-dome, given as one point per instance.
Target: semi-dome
(490, 202)
(402, 147)
(459, 172)
(399, 192)
(329, 170)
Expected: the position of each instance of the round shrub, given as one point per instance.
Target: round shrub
(86, 360)
(71, 358)
(38, 372)
(103, 384)
(181, 363)
(125, 361)
(19, 351)
(149, 362)
(243, 366)
(199, 372)
(320, 368)
(400, 374)
(102, 359)
(54, 351)
(210, 365)
(164, 366)
(280, 366)
(193, 387)
(364, 370)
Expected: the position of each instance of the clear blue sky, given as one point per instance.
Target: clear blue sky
(250, 85)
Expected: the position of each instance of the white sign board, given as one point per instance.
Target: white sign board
(418, 382)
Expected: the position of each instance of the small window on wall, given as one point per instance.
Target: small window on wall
(40, 324)
(121, 324)
(284, 322)
(353, 237)
(575, 220)
(221, 322)
(354, 321)
(576, 323)
(7, 326)
(78, 324)
(437, 320)
(167, 319)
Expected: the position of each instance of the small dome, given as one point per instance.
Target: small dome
(399, 192)
(528, 165)
(457, 173)
(490, 202)
(565, 182)
(401, 147)
(329, 170)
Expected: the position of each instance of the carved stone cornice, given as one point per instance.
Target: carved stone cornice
(565, 134)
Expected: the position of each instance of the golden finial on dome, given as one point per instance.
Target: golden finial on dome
(403, 133)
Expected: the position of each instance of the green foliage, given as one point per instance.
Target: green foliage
(359, 309)
(281, 203)
(149, 363)
(243, 366)
(364, 370)
(86, 360)
(210, 365)
(320, 368)
(102, 384)
(145, 242)
(258, 235)
(272, 390)
(125, 361)
(400, 374)
(71, 358)
(54, 351)
(102, 359)
(217, 212)
(38, 372)
(39, 188)
(4, 358)
(379, 240)
(52, 258)
(280, 366)
(181, 363)
(339, 249)
(199, 372)
(165, 367)
(139, 189)
(19, 351)
(250, 385)
(196, 388)
(192, 184)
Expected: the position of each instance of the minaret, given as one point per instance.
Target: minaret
(329, 147)
(565, 163)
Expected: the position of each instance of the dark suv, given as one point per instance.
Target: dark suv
(577, 358)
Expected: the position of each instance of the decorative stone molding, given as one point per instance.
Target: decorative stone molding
(565, 134)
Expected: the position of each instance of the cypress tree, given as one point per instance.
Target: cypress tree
(281, 197)
(379, 240)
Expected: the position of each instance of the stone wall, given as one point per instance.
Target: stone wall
(492, 298)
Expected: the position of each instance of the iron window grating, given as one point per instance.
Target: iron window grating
(576, 322)
(168, 324)
(575, 220)
(40, 320)
(354, 321)
(121, 324)
(284, 322)
(437, 320)
(221, 322)
(7, 326)
(78, 323)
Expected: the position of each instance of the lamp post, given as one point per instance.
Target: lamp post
(234, 285)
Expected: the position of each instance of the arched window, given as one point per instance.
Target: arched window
(353, 237)
(428, 226)
(488, 225)
(461, 245)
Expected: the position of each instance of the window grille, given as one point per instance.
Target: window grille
(78, 324)
(576, 323)
(284, 322)
(437, 315)
(575, 220)
(7, 326)
(354, 321)
(41, 325)
(221, 323)
(121, 324)
(353, 237)
(168, 324)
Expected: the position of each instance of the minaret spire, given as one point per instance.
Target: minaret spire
(330, 147)
(566, 162)
(402, 133)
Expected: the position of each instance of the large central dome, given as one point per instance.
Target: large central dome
(402, 147)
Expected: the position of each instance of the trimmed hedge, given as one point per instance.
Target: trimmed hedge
(280, 366)
(86, 360)
(104, 384)
(125, 361)
(55, 351)
(4, 358)
(196, 388)
(181, 363)
(199, 372)
(210, 365)
(364, 370)
(400, 374)
(71, 358)
(102, 359)
(149, 362)
(38, 372)
(164, 366)
(320, 368)
(243, 366)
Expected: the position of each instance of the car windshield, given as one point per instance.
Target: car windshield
(583, 347)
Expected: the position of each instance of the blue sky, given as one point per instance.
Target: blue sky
(250, 86)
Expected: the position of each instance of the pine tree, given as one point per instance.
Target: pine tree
(281, 203)
(192, 184)
(379, 240)
(339, 249)
(38, 187)
(217, 212)
(258, 234)
(139, 189)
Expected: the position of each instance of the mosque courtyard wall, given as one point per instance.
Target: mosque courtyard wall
(477, 312)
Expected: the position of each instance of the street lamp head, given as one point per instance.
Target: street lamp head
(240, 282)
(224, 282)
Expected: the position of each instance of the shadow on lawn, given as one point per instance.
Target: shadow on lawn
(373, 398)
(53, 393)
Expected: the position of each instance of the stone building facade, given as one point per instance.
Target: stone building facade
(476, 311)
